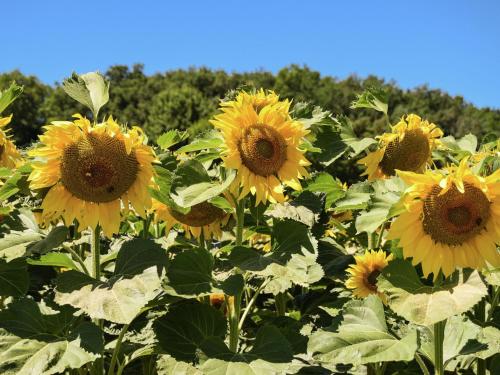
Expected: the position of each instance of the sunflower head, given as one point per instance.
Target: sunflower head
(452, 219)
(261, 141)
(407, 148)
(9, 155)
(363, 274)
(202, 218)
(92, 170)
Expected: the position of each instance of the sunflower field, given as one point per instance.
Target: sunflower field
(240, 252)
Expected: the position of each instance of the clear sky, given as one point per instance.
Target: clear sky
(449, 44)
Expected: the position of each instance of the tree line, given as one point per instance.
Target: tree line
(186, 99)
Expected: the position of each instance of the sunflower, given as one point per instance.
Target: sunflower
(202, 217)
(262, 143)
(407, 148)
(260, 241)
(452, 220)
(92, 172)
(9, 156)
(364, 273)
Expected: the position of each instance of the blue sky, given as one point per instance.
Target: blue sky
(453, 45)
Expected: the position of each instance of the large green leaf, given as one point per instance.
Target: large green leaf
(167, 365)
(186, 325)
(460, 338)
(373, 98)
(362, 337)
(53, 240)
(15, 244)
(249, 259)
(90, 89)
(290, 237)
(33, 341)
(137, 255)
(257, 367)
(170, 138)
(424, 305)
(325, 183)
(378, 212)
(9, 95)
(190, 272)
(14, 278)
(54, 259)
(214, 141)
(119, 300)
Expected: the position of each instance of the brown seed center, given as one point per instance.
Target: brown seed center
(262, 149)
(409, 154)
(97, 168)
(372, 279)
(200, 214)
(454, 217)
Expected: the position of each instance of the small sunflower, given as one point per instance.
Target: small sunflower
(260, 241)
(262, 143)
(91, 172)
(9, 156)
(202, 217)
(364, 273)
(451, 220)
(407, 148)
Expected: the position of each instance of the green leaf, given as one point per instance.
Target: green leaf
(379, 211)
(137, 255)
(290, 210)
(468, 143)
(325, 183)
(249, 259)
(54, 239)
(120, 300)
(54, 259)
(90, 89)
(167, 365)
(373, 98)
(9, 95)
(15, 244)
(195, 193)
(352, 201)
(410, 298)
(460, 338)
(362, 337)
(14, 278)
(350, 138)
(233, 285)
(331, 144)
(214, 141)
(257, 367)
(290, 237)
(170, 138)
(186, 325)
(44, 342)
(190, 272)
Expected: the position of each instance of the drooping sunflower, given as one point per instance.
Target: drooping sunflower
(407, 148)
(202, 217)
(93, 171)
(262, 143)
(452, 220)
(364, 273)
(9, 155)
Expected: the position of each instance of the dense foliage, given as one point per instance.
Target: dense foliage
(231, 244)
(186, 99)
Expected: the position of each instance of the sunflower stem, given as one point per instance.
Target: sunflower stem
(438, 347)
(235, 310)
(480, 314)
(494, 302)
(380, 235)
(118, 345)
(280, 302)
(250, 304)
(95, 245)
(146, 224)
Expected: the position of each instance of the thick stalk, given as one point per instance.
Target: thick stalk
(146, 224)
(280, 302)
(116, 352)
(77, 257)
(438, 347)
(480, 313)
(250, 304)
(234, 317)
(95, 245)
(381, 234)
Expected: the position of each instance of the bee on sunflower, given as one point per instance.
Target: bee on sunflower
(93, 172)
(262, 142)
(203, 218)
(407, 148)
(9, 155)
(452, 219)
(363, 279)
